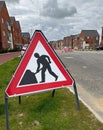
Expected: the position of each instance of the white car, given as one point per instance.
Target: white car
(24, 49)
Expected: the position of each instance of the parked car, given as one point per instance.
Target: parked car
(24, 49)
(99, 48)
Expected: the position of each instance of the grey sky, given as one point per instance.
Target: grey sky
(12, 1)
(51, 9)
(57, 18)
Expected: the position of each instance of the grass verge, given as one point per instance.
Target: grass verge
(41, 111)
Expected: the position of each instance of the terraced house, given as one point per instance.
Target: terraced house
(25, 38)
(89, 39)
(86, 40)
(10, 30)
(16, 32)
(5, 28)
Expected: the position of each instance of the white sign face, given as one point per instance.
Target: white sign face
(32, 66)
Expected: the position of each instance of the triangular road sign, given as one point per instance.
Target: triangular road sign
(39, 70)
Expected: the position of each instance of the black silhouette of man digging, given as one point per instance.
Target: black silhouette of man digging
(45, 61)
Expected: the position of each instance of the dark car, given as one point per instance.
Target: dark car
(99, 48)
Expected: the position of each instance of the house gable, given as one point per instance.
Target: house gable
(25, 37)
(90, 33)
(90, 37)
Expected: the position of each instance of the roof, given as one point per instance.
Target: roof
(1, 4)
(12, 19)
(26, 34)
(76, 35)
(66, 37)
(18, 23)
(90, 32)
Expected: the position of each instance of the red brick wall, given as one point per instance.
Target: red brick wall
(101, 43)
(4, 18)
(19, 35)
(90, 40)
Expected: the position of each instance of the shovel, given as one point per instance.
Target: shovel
(38, 71)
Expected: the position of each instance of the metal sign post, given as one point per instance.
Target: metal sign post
(76, 95)
(19, 99)
(6, 110)
(53, 92)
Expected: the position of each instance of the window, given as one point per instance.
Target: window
(9, 37)
(97, 38)
(8, 25)
(4, 34)
(81, 38)
(2, 20)
(13, 29)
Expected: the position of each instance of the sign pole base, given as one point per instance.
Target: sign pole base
(76, 96)
(53, 92)
(19, 99)
(6, 110)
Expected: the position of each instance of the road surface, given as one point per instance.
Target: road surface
(87, 70)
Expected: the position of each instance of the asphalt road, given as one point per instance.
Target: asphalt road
(87, 70)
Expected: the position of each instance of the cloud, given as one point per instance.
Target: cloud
(57, 18)
(12, 1)
(51, 9)
(20, 11)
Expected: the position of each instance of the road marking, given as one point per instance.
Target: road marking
(69, 57)
(84, 67)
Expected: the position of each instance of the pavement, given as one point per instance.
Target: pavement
(94, 104)
(8, 56)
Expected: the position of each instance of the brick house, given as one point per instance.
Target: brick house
(19, 34)
(76, 44)
(16, 32)
(25, 38)
(101, 43)
(5, 28)
(59, 44)
(68, 41)
(88, 39)
(53, 44)
(11, 36)
(13, 26)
